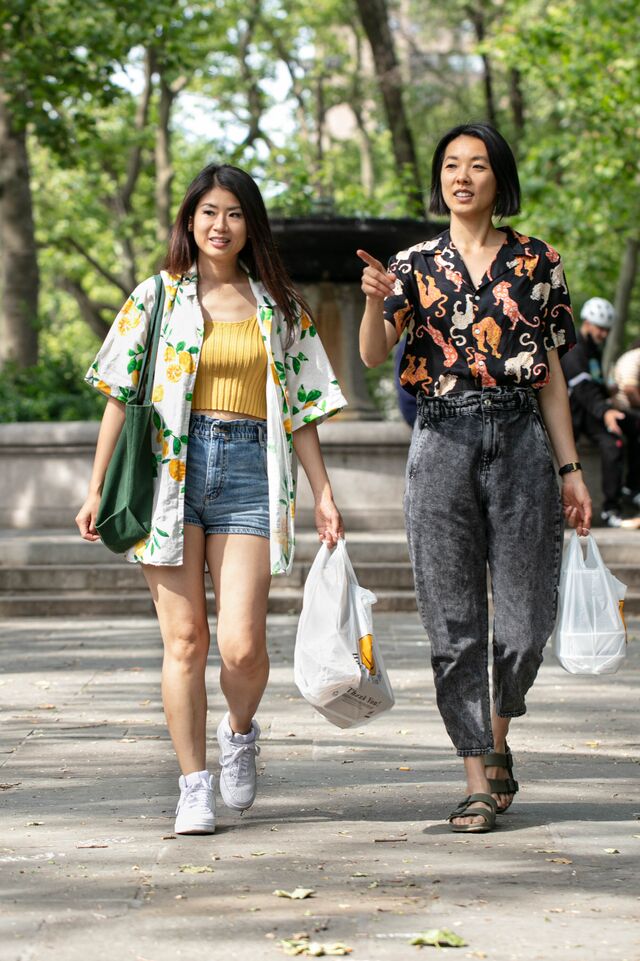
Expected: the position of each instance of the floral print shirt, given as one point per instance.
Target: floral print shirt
(497, 333)
(301, 388)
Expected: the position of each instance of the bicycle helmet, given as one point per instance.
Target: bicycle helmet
(599, 312)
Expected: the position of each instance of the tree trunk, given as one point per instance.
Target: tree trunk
(375, 20)
(164, 167)
(477, 17)
(516, 100)
(624, 289)
(19, 279)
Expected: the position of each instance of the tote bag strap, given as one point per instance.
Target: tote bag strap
(145, 383)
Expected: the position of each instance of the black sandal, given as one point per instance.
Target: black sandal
(464, 809)
(507, 785)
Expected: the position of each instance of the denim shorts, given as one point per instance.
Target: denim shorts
(227, 491)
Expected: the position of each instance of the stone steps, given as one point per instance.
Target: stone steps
(55, 573)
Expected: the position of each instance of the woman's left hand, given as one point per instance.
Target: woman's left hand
(576, 503)
(328, 521)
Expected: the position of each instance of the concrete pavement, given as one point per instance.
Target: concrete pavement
(89, 866)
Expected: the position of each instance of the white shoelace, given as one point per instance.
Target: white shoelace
(240, 755)
(197, 797)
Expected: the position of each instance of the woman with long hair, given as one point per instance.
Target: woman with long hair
(240, 383)
(486, 313)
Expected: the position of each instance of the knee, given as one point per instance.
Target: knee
(188, 646)
(243, 658)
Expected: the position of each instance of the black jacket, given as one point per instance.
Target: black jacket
(588, 394)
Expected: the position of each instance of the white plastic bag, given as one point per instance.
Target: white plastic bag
(590, 634)
(338, 665)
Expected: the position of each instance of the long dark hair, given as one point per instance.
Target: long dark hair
(503, 165)
(259, 254)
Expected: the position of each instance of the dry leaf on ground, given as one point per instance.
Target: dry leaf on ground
(559, 860)
(295, 947)
(611, 851)
(195, 869)
(438, 938)
(296, 895)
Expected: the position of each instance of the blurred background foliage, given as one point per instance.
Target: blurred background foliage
(108, 109)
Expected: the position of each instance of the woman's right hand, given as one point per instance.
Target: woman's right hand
(86, 518)
(376, 281)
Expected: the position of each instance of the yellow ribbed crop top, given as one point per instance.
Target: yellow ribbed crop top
(232, 372)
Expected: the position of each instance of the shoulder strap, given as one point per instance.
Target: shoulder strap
(145, 383)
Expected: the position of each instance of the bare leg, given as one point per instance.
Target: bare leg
(239, 565)
(179, 597)
(477, 774)
(500, 727)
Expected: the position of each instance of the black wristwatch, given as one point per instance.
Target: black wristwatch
(570, 468)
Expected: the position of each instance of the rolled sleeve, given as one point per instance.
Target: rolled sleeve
(116, 368)
(314, 392)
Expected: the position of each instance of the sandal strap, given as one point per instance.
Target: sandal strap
(464, 805)
(505, 785)
(497, 760)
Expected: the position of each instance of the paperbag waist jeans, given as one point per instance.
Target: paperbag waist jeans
(481, 490)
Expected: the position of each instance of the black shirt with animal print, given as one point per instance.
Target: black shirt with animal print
(497, 333)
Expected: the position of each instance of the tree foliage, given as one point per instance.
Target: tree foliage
(122, 103)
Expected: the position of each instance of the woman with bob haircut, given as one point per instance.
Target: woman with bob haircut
(487, 315)
(241, 382)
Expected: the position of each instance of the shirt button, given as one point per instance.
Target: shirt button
(480, 363)
(477, 297)
(487, 402)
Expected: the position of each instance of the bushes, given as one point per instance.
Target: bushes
(51, 390)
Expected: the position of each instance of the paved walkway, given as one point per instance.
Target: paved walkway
(89, 865)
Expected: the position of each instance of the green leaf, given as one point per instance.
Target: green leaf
(194, 350)
(314, 395)
(296, 365)
(181, 346)
(302, 394)
(177, 445)
(157, 422)
(132, 365)
(185, 439)
(438, 938)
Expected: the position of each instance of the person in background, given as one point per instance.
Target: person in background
(594, 413)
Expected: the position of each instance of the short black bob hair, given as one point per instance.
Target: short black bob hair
(502, 161)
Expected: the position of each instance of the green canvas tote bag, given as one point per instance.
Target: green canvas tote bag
(124, 515)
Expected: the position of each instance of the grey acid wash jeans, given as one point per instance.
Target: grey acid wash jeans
(481, 490)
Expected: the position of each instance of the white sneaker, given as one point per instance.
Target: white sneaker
(196, 810)
(238, 765)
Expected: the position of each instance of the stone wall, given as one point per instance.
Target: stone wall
(45, 470)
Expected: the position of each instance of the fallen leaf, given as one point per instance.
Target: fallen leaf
(547, 851)
(258, 854)
(168, 837)
(403, 768)
(296, 895)
(127, 740)
(359, 874)
(345, 834)
(559, 860)
(91, 844)
(144, 703)
(295, 947)
(391, 840)
(611, 851)
(34, 824)
(438, 938)
(47, 707)
(195, 869)
(593, 744)
(7, 787)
